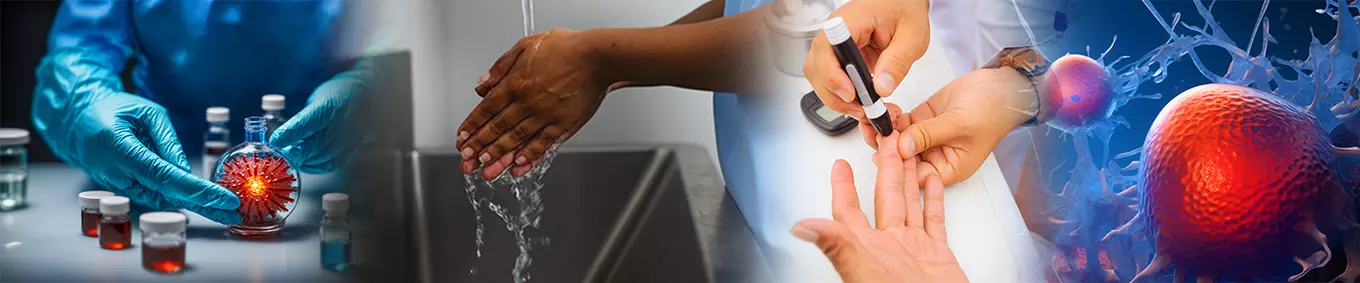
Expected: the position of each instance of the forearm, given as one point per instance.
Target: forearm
(716, 55)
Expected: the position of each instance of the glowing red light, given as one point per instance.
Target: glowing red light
(262, 183)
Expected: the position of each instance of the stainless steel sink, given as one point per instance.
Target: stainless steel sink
(611, 215)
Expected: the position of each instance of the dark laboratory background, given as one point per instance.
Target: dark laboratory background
(23, 34)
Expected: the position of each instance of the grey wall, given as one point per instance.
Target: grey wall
(453, 46)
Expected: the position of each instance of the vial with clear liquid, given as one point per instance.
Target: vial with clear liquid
(163, 241)
(335, 233)
(13, 168)
(273, 105)
(89, 212)
(115, 228)
(216, 140)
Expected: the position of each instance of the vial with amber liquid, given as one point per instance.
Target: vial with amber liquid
(163, 241)
(89, 212)
(115, 228)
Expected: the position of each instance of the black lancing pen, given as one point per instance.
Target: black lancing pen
(853, 63)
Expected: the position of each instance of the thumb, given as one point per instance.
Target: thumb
(932, 132)
(840, 246)
(895, 61)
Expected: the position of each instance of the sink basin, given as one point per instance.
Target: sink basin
(610, 215)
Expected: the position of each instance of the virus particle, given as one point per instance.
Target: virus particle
(262, 182)
(1235, 184)
(1080, 91)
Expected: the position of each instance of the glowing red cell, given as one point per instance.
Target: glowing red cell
(1235, 185)
(262, 182)
(1079, 90)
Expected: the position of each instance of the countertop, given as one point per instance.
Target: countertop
(42, 242)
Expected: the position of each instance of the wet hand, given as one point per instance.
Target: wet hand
(891, 35)
(908, 242)
(537, 94)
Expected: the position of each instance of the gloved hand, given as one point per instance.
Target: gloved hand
(907, 244)
(318, 138)
(123, 141)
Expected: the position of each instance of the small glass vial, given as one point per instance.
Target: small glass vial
(273, 105)
(217, 140)
(89, 212)
(335, 248)
(264, 180)
(115, 228)
(163, 241)
(13, 168)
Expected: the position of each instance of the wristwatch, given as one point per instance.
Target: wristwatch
(1030, 63)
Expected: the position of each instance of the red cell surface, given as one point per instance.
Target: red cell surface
(1232, 180)
(1079, 90)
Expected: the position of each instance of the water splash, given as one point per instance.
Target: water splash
(1089, 205)
(526, 212)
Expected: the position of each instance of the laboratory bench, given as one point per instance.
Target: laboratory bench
(655, 213)
(41, 241)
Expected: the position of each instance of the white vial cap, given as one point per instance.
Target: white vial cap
(90, 199)
(836, 32)
(113, 205)
(272, 102)
(335, 202)
(163, 222)
(12, 136)
(219, 114)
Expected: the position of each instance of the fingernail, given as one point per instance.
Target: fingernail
(485, 157)
(804, 234)
(484, 78)
(463, 135)
(847, 95)
(885, 82)
(467, 151)
(521, 160)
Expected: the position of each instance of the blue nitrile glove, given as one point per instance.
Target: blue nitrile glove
(123, 141)
(317, 138)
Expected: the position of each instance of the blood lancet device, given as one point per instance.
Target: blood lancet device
(853, 63)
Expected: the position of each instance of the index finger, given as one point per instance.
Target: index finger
(829, 81)
(157, 174)
(305, 124)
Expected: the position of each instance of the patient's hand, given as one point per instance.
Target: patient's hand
(908, 244)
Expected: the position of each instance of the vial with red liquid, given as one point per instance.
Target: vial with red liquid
(163, 241)
(115, 228)
(89, 212)
(264, 180)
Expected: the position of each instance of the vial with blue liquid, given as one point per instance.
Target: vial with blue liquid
(335, 234)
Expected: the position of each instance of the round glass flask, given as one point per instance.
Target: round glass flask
(262, 178)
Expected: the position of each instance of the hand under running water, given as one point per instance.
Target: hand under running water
(537, 94)
(908, 244)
